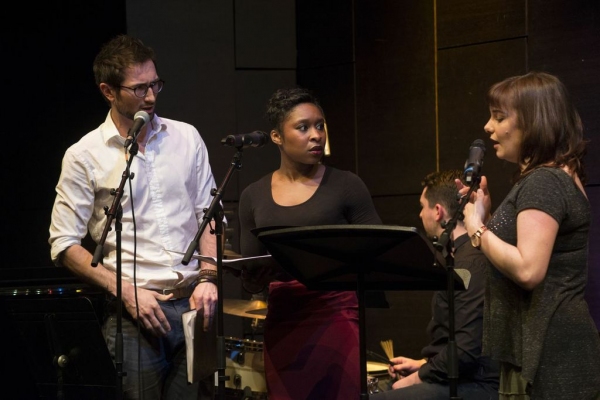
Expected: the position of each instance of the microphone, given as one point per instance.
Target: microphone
(140, 119)
(474, 162)
(253, 139)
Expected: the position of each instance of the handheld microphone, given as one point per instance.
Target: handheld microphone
(140, 119)
(253, 139)
(474, 162)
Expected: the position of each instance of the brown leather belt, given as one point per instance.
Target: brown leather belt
(178, 293)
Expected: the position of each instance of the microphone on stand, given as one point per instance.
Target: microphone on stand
(140, 119)
(253, 139)
(474, 162)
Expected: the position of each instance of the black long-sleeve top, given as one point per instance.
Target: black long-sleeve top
(468, 306)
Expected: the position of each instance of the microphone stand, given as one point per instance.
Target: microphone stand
(116, 212)
(215, 211)
(445, 245)
(60, 359)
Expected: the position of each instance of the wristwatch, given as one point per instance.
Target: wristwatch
(476, 237)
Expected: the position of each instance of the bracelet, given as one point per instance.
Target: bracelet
(208, 272)
(205, 279)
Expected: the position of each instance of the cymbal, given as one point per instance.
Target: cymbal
(256, 309)
(373, 366)
(231, 255)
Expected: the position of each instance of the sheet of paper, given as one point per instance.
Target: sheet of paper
(257, 260)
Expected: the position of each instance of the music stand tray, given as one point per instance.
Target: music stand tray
(332, 257)
(359, 258)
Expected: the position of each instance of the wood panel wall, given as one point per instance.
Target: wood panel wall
(402, 85)
(421, 71)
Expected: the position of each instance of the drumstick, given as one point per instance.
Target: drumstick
(388, 348)
(379, 357)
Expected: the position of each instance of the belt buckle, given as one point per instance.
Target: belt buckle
(178, 293)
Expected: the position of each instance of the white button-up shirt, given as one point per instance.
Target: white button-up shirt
(166, 197)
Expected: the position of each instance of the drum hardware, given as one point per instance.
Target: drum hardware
(372, 384)
(377, 377)
(244, 363)
(377, 372)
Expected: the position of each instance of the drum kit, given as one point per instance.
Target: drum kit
(377, 377)
(244, 363)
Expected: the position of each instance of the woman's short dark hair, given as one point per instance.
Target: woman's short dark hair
(283, 101)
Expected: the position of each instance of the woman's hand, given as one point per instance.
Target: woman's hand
(477, 210)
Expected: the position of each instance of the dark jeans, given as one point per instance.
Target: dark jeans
(163, 368)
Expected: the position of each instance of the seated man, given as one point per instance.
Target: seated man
(428, 378)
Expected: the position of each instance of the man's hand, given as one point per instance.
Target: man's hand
(204, 300)
(404, 366)
(151, 316)
(412, 379)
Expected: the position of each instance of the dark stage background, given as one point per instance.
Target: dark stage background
(402, 83)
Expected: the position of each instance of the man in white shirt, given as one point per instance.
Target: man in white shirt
(162, 209)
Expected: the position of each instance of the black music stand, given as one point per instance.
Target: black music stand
(359, 258)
